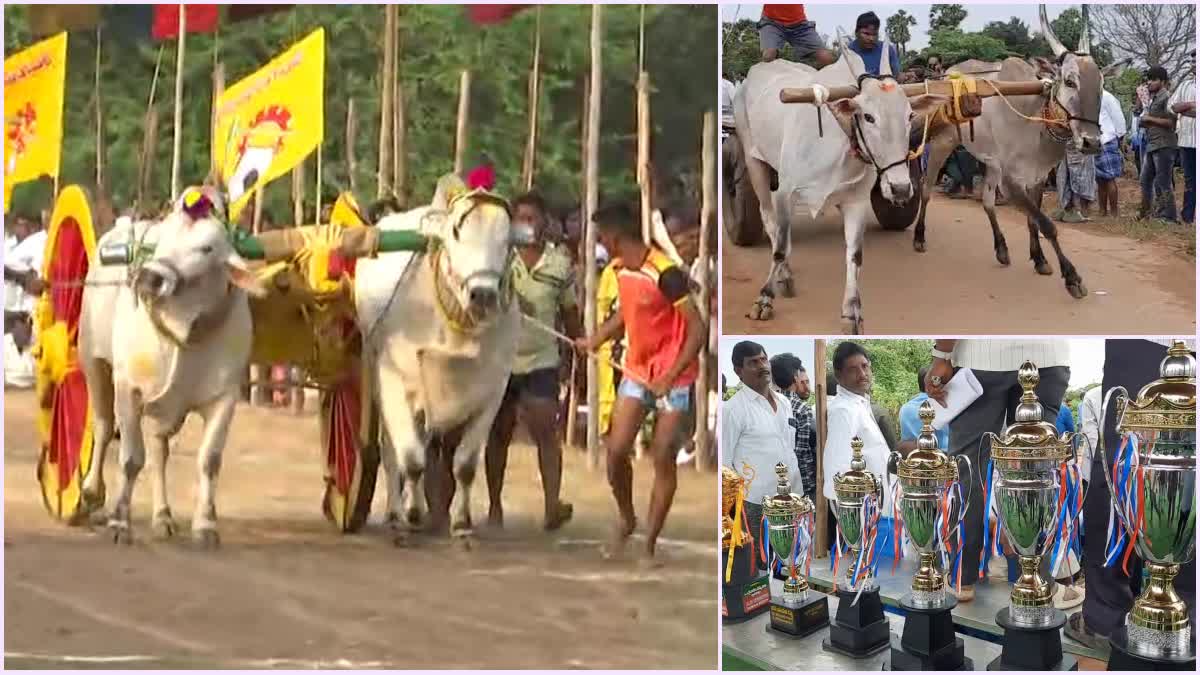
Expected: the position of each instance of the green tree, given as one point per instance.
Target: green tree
(898, 29)
(946, 16)
(740, 49)
(1067, 28)
(1014, 33)
(955, 46)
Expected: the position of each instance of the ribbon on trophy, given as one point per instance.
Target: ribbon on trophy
(897, 527)
(991, 536)
(1126, 512)
(947, 527)
(865, 565)
(1070, 508)
(741, 535)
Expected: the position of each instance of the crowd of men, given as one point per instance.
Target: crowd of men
(1158, 137)
(769, 419)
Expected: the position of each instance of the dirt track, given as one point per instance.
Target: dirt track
(957, 287)
(286, 591)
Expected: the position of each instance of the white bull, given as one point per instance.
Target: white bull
(443, 333)
(831, 161)
(174, 341)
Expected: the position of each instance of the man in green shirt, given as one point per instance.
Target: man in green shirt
(543, 278)
(1158, 168)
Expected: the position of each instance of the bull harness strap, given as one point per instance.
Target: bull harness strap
(953, 114)
(859, 141)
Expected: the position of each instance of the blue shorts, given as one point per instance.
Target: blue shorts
(678, 399)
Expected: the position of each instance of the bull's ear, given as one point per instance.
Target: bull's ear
(927, 104)
(1044, 67)
(843, 112)
(448, 187)
(242, 277)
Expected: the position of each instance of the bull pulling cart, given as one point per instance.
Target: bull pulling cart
(307, 319)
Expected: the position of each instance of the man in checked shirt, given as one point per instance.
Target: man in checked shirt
(787, 371)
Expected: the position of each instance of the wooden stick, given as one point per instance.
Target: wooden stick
(258, 393)
(399, 131)
(177, 141)
(708, 173)
(643, 153)
(317, 213)
(986, 88)
(822, 507)
(573, 407)
(387, 79)
(464, 111)
(218, 91)
(592, 171)
(528, 166)
(351, 136)
(99, 122)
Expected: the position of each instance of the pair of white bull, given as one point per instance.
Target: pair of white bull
(177, 339)
(832, 154)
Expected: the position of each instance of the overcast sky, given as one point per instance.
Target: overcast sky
(828, 16)
(1087, 356)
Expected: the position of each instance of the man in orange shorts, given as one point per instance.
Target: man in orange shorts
(664, 334)
(788, 24)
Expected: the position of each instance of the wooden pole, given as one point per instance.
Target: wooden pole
(387, 80)
(149, 137)
(177, 141)
(642, 39)
(296, 387)
(351, 159)
(464, 112)
(592, 172)
(573, 398)
(529, 165)
(822, 519)
(259, 393)
(99, 122)
(218, 91)
(399, 132)
(643, 152)
(708, 172)
(317, 212)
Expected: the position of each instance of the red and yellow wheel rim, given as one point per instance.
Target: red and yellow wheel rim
(65, 418)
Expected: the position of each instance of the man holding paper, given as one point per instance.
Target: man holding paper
(994, 364)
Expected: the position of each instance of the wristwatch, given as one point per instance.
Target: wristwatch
(938, 354)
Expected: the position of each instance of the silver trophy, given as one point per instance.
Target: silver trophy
(1155, 499)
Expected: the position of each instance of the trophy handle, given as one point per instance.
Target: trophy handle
(893, 463)
(967, 499)
(1119, 408)
(987, 435)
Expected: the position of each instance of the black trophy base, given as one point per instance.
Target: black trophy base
(803, 620)
(929, 642)
(748, 593)
(858, 629)
(1038, 648)
(1122, 656)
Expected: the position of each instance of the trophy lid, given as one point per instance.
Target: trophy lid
(785, 503)
(1170, 401)
(927, 462)
(1030, 436)
(857, 481)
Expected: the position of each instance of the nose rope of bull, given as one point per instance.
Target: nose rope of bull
(565, 338)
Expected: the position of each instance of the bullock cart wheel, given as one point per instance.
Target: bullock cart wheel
(739, 206)
(64, 416)
(894, 217)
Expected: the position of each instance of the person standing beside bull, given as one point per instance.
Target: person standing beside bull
(1183, 103)
(1109, 165)
(544, 281)
(664, 334)
(866, 44)
(788, 24)
(1158, 167)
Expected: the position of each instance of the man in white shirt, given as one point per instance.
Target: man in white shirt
(756, 430)
(1109, 165)
(1131, 364)
(995, 364)
(1183, 104)
(23, 250)
(848, 415)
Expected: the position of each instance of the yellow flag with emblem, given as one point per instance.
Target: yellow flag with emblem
(270, 121)
(34, 80)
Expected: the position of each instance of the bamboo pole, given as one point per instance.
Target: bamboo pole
(573, 397)
(296, 386)
(591, 198)
(351, 136)
(708, 172)
(317, 212)
(643, 152)
(149, 137)
(177, 141)
(387, 80)
(986, 88)
(399, 131)
(464, 112)
(99, 122)
(218, 91)
(529, 165)
(259, 393)
(822, 531)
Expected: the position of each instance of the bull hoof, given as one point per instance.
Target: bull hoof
(164, 525)
(1043, 268)
(120, 532)
(98, 518)
(1077, 290)
(464, 539)
(1002, 256)
(207, 539)
(761, 311)
(91, 502)
(787, 288)
(852, 326)
(413, 518)
(401, 538)
(919, 246)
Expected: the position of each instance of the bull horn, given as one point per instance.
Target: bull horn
(1085, 40)
(1048, 31)
(885, 60)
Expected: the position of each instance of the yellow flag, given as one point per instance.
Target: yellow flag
(34, 80)
(270, 121)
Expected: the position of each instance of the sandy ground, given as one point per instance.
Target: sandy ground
(957, 287)
(286, 591)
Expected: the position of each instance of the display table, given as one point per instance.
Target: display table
(751, 643)
(979, 614)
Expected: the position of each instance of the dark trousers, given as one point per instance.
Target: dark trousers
(754, 519)
(1110, 593)
(991, 412)
(1158, 171)
(1187, 157)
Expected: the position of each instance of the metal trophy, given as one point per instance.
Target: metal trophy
(789, 517)
(1033, 467)
(929, 484)
(1153, 491)
(859, 628)
(744, 592)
